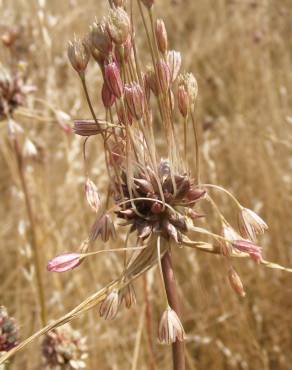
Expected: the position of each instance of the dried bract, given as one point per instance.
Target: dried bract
(78, 54)
(250, 224)
(92, 195)
(104, 227)
(128, 296)
(170, 328)
(174, 63)
(109, 307)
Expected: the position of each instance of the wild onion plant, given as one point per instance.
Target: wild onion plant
(153, 189)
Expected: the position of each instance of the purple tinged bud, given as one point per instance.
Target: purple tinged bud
(246, 246)
(88, 127)
(113, 79)
(163, 74)
(64, 262)
(135, 100)
(108, 98)
(161, 36)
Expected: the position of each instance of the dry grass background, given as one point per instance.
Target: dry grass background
(241, 54)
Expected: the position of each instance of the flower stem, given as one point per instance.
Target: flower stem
(171, 290)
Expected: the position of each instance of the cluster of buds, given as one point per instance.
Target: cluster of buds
(64, 348)
(13, 91)
(8, 331)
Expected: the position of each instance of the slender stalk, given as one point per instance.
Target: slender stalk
(33, 237)
(171, 290)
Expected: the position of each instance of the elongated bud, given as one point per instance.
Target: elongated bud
(170, 328)
(161, 36)
(174, 63)
(104, 227)
(148, 3)
(108, 98)
(128, 295)
(64, 262)
(183, 100)
(109, 306)
(88, 127)
(113, 79)
(250, 224)
(151, 82)
(99, 38)
(246, 246)
(236, 282)
(118, 25)
(135, 99)
(163, 75)
(78, 54)
(92, 195)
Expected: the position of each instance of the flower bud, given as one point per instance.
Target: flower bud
(148, 3)
(113, 79)
(118, 25)
(99, 38)
(109, 306)
(174, 63)
(191, 86)
(250, 224)
(161, 36)
(151, 82)
(88, 127)
(78, 54)
(128, 295)
(104, 227)
(108, 98)
(135, 99)
(183, 100)
(236, 282)
(246, 246)
(64, 262)
(195, 194)
(170, 328)
(163, 75)
(124, 116)
(92, 195)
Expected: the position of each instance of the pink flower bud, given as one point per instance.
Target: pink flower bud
(174, 63)
(161, 36)
(108, 98)
(124, 116)
(92, 195)
(183, 100)
(64, 262)
(135, 99)
(246, 246)
(163, 75)
(113, 79)
(88, 127)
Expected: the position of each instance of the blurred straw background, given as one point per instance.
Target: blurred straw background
(241, 54)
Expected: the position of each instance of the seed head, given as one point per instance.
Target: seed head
(78, 54)
(250, 224)
(118, 25)
(161, 36)
(64, 348)
(109, 306)
(99, 38)
(8, 331)
(64, 262)
(113, 79)
(170, 328)
(174, 63)
(163, 75)
(236, 282)
(135, 100)
(104, 227)
(92, 195)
